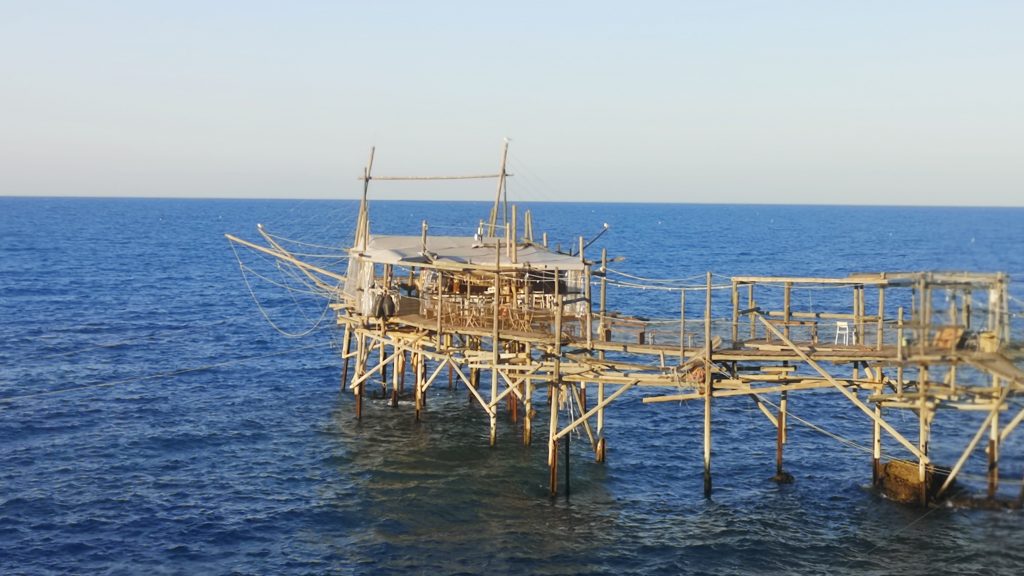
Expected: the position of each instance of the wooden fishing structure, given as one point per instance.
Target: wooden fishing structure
(507, 317)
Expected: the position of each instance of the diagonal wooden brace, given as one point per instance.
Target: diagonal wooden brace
(849, 395)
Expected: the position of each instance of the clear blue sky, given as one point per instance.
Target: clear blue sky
(858, 102)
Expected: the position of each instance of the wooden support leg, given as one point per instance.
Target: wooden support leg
(707, 389)
(360, 368)
(993, 457)
(346, 347)
(599, 452)
(781, 476)
(924, 421)
(402, 361)
(493, 416)
(395, 377)
(876, 449)
(474, 377)
(528, 412)
(552, 443)
(513, 406)
(383, 367)
(567, 442)
(417, 361)
(707, 443)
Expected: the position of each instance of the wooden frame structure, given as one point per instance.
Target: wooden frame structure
(500, 308)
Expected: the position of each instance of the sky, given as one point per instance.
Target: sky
(808, 102)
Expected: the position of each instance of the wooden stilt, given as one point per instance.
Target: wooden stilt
(528, 409)
(682, 325)
(780, 440)
(403, 362)
(363, 351)
(395, 377)
(993, 448)
(924, 428)
(880, 324)
(736, 313)
(383, 366)
(750, 306)
(345, 349)
(418, 367)
(876, 448)
(568, 438)
(552, 442)
(600, 451)
(707, 389)
(495, 345)
(787, 310)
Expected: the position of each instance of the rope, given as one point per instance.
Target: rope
(637, 286)
(310, 291)
(266, 316)
(154, 376)
(661, 280)
(821, 430)
(301, 243)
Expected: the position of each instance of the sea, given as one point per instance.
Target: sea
(171, 404)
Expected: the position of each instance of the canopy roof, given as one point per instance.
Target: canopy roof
(462, 253)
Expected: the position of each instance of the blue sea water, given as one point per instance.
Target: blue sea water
(156, 422)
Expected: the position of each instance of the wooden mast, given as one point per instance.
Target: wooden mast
(499, 195)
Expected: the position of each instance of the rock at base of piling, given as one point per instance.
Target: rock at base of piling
(899, 481)
(783, 478)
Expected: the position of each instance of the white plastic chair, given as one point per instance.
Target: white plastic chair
(843, 329)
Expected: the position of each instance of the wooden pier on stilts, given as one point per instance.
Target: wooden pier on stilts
(502, 308)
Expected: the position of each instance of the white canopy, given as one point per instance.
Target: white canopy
(461, 252)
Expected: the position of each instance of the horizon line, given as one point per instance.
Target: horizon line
(637, 202)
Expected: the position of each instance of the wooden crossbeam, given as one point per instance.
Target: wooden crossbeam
(622, 390)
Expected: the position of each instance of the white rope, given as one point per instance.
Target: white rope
(657, 280)
(819, 429)
(309, 244)
(272, 282)
(636, 286)
(266, 316)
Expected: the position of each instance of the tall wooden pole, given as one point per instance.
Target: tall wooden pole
(880, 327)
(876, 447)
(495, 352)
(787, 310)
(361, 355)
(707, 389)
(780, 438)
(417, 360)
(924, 418)
(735, 312)
(602, 328)
(499, 194)
(556, 392)
(993, 445)
(528, 404)
(682, 326)
(750, 306)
